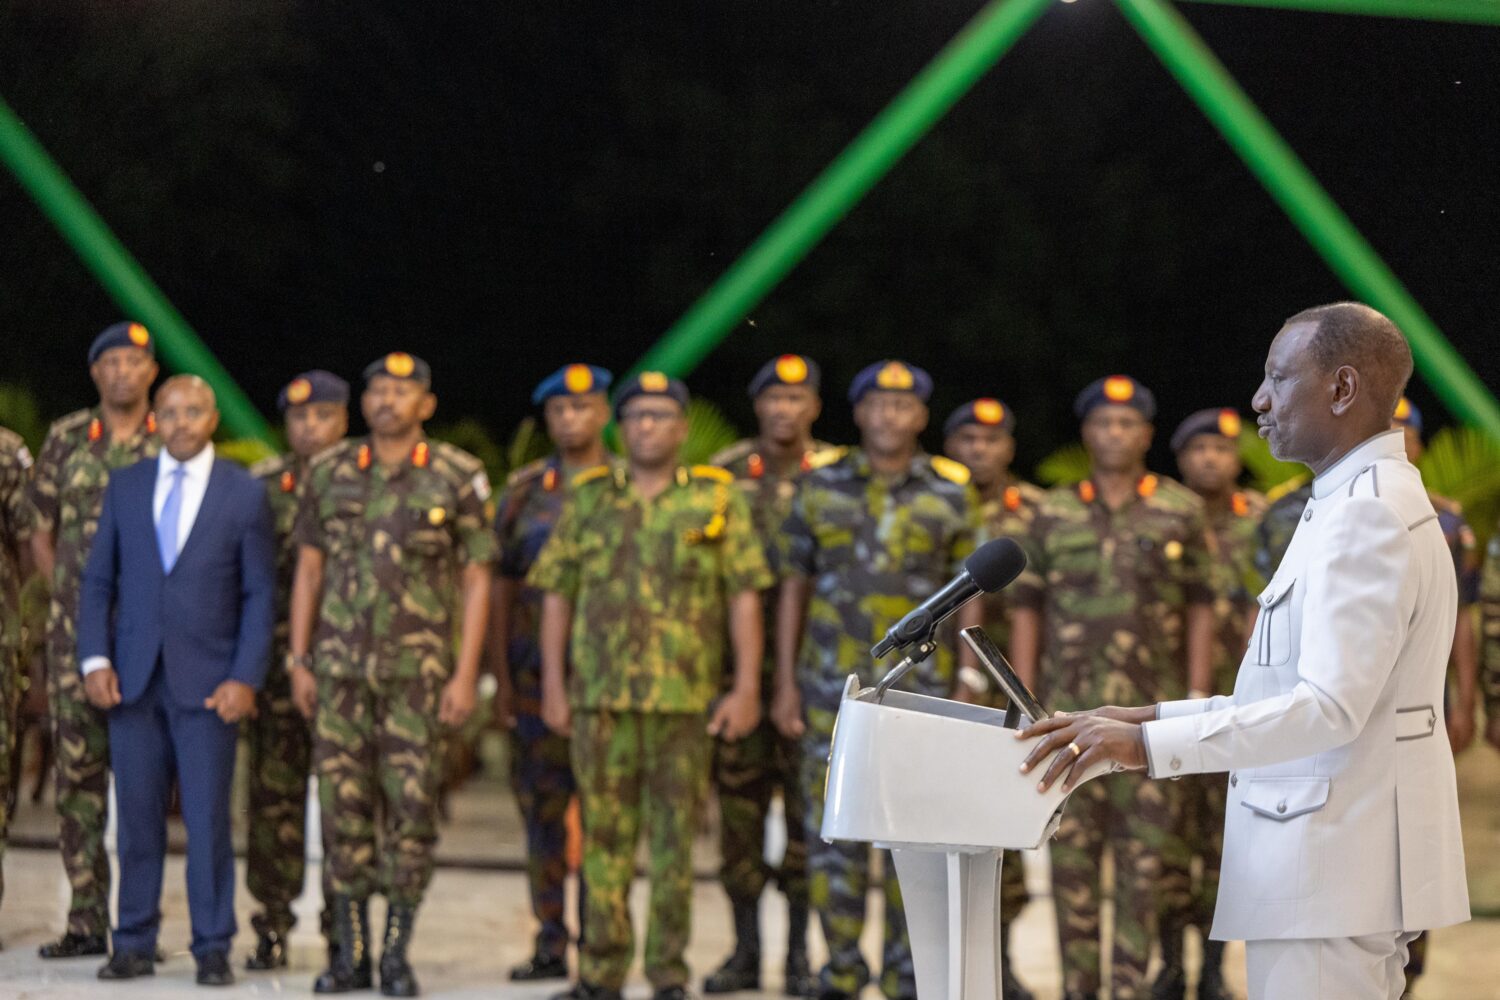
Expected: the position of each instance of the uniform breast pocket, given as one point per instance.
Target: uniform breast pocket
(1281, 812)
(1272, 643)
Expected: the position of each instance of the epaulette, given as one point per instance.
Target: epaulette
(713, 472)
(954, 472)
(733, 453)
(76, 419)
(1176, 491)
(591, 474)
(527, 473)
(331, 451)
(465, 462)
(272, 466)
(826, 457)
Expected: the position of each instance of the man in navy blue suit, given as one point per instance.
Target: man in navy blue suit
(174, 638)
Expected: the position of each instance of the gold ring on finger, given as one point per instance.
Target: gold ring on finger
(1077, 750)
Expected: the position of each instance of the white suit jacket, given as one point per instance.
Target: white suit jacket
(1343, 809)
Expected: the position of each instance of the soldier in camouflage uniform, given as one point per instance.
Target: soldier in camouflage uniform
(749, 773)
(874, 531)
(1207, 448)
(1278, 524)
(1489, 637)
(393, 543)
(981, 435)
(15, 472)
(576, 408)
(648, 568)
(1461, 704)
(66, 496)
(1116, 599)
(315, 406)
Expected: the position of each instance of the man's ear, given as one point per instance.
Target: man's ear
(1345, 390)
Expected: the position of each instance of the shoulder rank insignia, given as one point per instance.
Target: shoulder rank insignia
(1012, 498)
(713, 472)
(288, 481)
(824, 458)
(590, 474)
(549, 479)
(955, 472)
(1147, 486)
(1086, 491)
(756, 466)
(421, 454)
(96, 429)
(151, 422)
(363, 458)
(1240, 504)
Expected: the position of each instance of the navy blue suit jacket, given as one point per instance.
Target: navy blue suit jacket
(211, 618)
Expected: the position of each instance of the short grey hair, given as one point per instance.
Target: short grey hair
(1353, 334)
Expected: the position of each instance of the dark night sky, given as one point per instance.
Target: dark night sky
(502, 188)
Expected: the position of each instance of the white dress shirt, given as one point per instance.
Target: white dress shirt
(194, 485)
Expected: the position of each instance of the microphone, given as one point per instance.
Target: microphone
(991, 567)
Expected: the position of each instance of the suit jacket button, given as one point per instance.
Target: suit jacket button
(1307, 514)
(1234, 780)
(1281, 806)
(1176, 764)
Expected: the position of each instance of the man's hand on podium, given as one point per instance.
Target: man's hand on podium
(1082, 739)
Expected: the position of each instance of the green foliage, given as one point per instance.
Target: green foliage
(528, 442)
(475, 438)
(246, 451)
(1064, 467)
(20, 413)
(1267, 472)
(709, 432)
(1463, 464)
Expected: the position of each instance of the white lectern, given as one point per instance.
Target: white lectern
(937, 783)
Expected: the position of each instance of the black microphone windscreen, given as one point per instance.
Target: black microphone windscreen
(995, 564)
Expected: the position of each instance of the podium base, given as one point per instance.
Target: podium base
(952, 904)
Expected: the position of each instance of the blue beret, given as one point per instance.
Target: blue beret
(1221, 421)
(651, 384)
(891, 376)
(122, 335)
(571, 380)
(788, 369)
(1115, 390)
(399, 364)
(316, 386)
(1407, 415)
(985, 412)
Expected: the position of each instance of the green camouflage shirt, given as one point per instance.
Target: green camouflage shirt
(1277, 526)
(650, 582)
(283, 490)
(770, 497)
(66, 497)
(394, 541)
(1112, 588)
(873, 548)
(1007, 515)
(1489, 627)
(15, 470)
(1235, 580)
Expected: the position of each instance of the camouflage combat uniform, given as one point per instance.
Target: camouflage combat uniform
(393, 540)
(872, 548)
(67, 494)
(1277, 525)
(747, 774)
(649, 582)
(541, 768)
(1112, 588)
(279, 739)
(1007, 513)
(15, 471)
(1489, 628)
(1235, 582)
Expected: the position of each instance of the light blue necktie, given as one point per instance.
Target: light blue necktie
(166, 527)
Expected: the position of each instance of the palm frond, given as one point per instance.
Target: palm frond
(476, 439)
(709, 432)
(1463, 464)
(245, 451)
(1064, 467)
(19, 411)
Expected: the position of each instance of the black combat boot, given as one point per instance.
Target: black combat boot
(270, 942)
(741, 971)
(1211, 979)
(396, 977)
(1171, 982)
(801, 981)
(349, 968)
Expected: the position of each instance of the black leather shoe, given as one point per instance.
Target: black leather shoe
(800, 980)
(1171, 984)
(540, 966)
(587, 991)
(127, 965)
(214, 970)
(72, 945)
(270, 946)
(672, 993)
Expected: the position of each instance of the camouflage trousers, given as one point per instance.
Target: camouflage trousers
(278, 742)
(747, 774)
(838, 883)
(10, 705)
(80, 740)
(635, 769)
(1136, 820)
(541, 773)
(1203, 799)
(376, 743)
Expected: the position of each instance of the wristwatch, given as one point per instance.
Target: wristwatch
(297, 660)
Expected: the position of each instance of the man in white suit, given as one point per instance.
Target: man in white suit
(1342, 835)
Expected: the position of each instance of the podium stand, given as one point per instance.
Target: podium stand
(937, 782)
